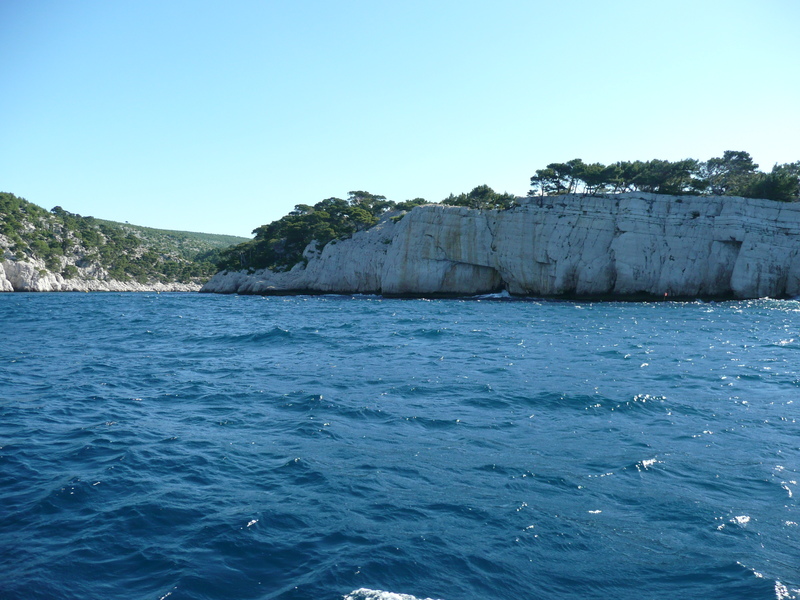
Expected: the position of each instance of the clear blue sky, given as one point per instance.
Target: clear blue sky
(221, 116)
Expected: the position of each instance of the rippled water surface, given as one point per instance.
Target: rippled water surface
(196, 446)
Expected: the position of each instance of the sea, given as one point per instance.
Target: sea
(194, 446)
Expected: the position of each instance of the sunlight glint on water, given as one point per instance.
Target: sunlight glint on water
(194, 446)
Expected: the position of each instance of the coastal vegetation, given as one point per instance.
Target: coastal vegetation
(279, 245)
(482, 197)
(74, 245)
(732, 174)
(71, 244)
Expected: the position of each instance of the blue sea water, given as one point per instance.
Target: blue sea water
(190, 446)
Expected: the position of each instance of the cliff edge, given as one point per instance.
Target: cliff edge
(614, 246)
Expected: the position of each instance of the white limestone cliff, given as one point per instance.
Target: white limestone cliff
(626, 245)
(32, 276)
(342, 266)
(5, 284)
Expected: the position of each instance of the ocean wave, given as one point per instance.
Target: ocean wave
(367, 594)
(293, 448)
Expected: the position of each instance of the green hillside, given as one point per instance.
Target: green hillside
(189, 245)
(85, 247)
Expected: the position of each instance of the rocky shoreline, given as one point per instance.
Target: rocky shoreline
(628, 246)
(22, 276)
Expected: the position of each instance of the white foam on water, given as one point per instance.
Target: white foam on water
(495, 296)
(367, 594)
(782, 592)
(646, 464)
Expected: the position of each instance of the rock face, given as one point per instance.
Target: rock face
(20, 276)
(626, 246)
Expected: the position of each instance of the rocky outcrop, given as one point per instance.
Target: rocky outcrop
(620, 246)
(5, 284)
(342, 266)
(57, 250)
(25, 276)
